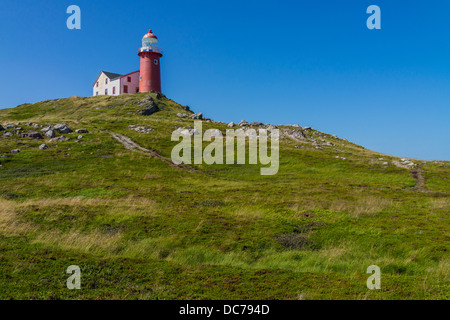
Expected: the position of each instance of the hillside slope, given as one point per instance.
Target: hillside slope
(139, 226)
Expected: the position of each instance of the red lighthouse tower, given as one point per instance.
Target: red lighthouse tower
(150, 78)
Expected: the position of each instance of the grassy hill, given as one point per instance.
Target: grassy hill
(141, 228)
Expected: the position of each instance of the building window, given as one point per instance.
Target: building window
(106, 81)
(114, 90)
(106, 91)
(129, 79)
(96, 93)
(137, 90)
(125, 89)
(155, 61)
(97, 84)
(140, 78)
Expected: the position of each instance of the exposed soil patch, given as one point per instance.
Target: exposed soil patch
(131, 145)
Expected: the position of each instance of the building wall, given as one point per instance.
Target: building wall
(102, 86)
(133, 85)
(150, 72)
(119, 83)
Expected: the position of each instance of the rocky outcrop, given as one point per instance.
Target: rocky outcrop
(198, 116)
(149, 106)
(62, 128)
(141, 129)
(32, 135)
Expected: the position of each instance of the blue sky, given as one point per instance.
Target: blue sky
(309, 62)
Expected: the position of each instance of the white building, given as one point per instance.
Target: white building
(114, 84)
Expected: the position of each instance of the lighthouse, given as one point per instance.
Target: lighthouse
(150, 74)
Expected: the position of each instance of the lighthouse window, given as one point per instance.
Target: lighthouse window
(155, 61)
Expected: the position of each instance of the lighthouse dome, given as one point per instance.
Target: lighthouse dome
(149, 39)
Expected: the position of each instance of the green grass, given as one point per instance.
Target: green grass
(141, 229)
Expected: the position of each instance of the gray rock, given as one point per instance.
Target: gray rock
(230, 125)
(81, 131)
(198, 116)
(243, 123)
(15, 151)
(62, 128)
(50, 134)
(295, 134)
(149, 106)
(45, 129)
(80, 137)
(9, 126)
(35, 126)
(140, 129)
(43, 146)
(32, 135)
(182, 115)
(271, 127)
(59, 139)
(187, 132)
(256, 124)
(7, 134)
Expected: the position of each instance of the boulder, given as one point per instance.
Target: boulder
(230, 125)
(15, 151)
(149, 106)
(182, 115)
(187, 132)
(80, 137)
(79, 131)
(256, 124)
(62, 128)
(43, 146)
(45, 129)
(32, 135)
(243, 123)
(197, 116)
(50, 133)
(7, 134)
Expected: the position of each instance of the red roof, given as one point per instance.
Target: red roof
(150, 35)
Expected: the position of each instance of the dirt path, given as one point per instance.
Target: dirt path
(417, 174)
(133, 146)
